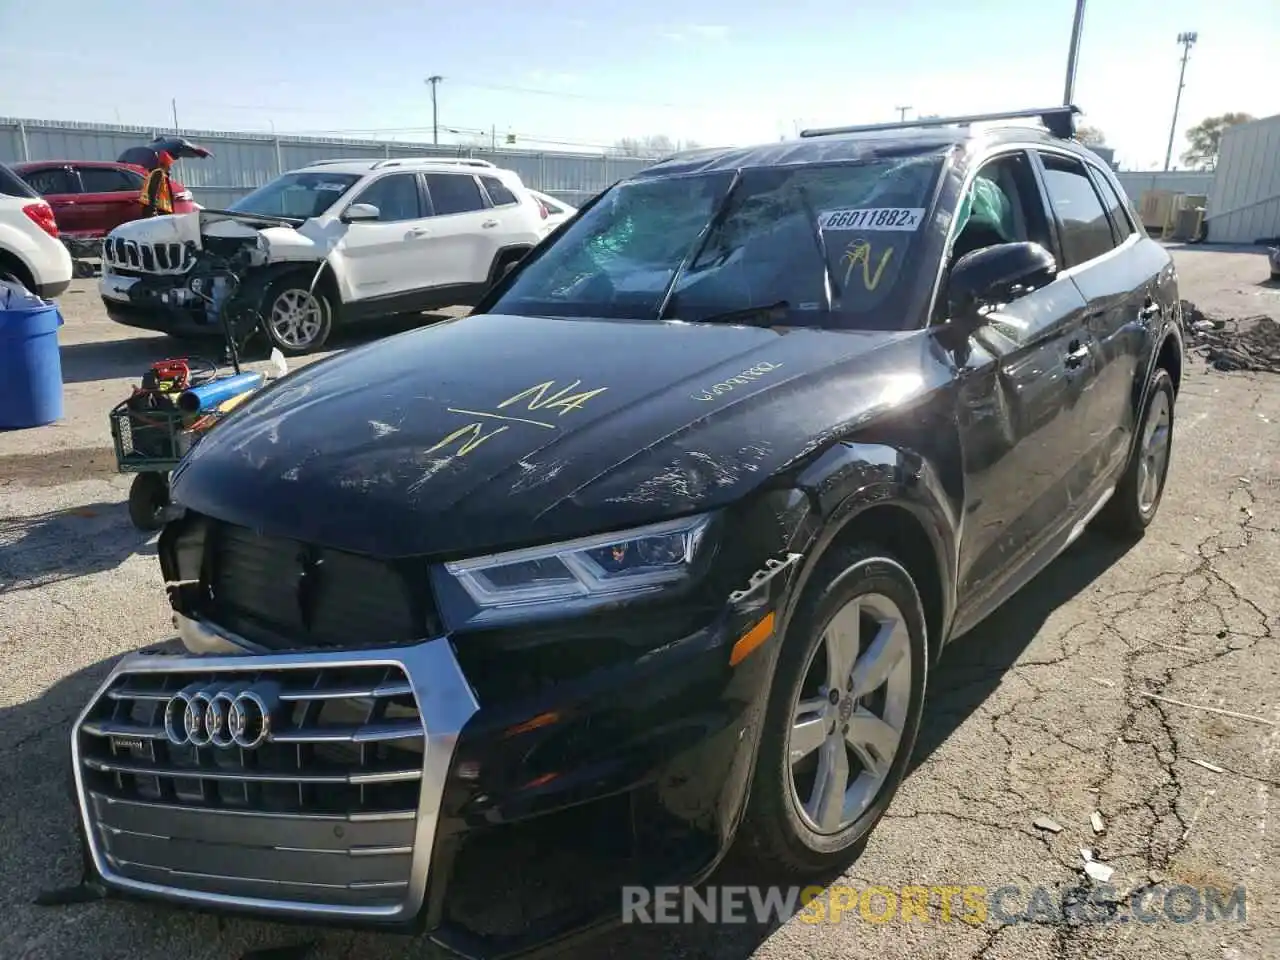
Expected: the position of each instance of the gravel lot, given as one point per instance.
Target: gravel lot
(1039, 713)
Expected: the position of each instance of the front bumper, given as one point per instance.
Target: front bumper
(531, 815)
(148, 303)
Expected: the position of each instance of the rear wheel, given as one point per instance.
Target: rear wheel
(1137, 497)
(843, 715)
(297, 319)
(12, 269)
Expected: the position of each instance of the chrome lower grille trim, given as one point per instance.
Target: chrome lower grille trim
(302, 864)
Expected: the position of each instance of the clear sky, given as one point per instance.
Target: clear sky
(556, 72)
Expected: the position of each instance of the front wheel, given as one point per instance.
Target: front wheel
(843, 715)
(148, 500)
(297, 319)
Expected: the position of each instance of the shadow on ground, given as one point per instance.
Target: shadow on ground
(50, 857)
(62, 544)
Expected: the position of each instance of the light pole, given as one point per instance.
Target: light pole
(1187, 40)
(902, 113)
(435, 117)
(1073, 54)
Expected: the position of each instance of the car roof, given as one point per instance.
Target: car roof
(107, 164)
(363, 166)
(904, 143)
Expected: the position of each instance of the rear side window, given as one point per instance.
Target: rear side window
(109, 180)
(11, 185)
(498, 192)
(1086, 233)
(552, 207)
(1116, 207)
(51, 180)
(454, 193)
(396, 197)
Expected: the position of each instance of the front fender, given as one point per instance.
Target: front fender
(851, 478)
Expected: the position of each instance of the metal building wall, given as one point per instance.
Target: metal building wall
(1136, 182)
(1244, 204)
(243, 161)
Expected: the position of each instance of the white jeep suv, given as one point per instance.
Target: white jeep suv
(30, 251)
(334, 242)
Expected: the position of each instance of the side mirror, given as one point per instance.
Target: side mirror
(361, 213)
(996, 274)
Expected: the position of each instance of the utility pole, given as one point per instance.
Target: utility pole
(174, 103)
(1188, 41)
(435, 117)
(1073, 54)
(902, 113)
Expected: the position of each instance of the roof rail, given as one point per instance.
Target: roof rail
(1060, 122)
(452, 161)
(322, 163)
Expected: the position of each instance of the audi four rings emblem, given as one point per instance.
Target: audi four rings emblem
(221, 715)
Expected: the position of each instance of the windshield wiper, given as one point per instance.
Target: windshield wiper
(696, 249)
(768, 313)
(830, 287)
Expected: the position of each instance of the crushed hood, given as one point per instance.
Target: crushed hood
(494, 431)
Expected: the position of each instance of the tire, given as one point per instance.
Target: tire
(1134, 504)
(295, 319)
(503, 263)
(778, 828)
(12, 269)
(148, 500)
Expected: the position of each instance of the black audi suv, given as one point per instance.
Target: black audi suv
(651, 553)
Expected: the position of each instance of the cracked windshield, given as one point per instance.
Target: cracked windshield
(829, 246)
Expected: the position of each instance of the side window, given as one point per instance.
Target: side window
(51, 180)
(396, 197)
(454, 193)
(1086, 233)
(109, 180)
(498, 192)
(1120, 219)
(1003, 206)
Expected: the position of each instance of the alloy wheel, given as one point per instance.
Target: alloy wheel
(849, 715)
(297, 318)
(1154, 453)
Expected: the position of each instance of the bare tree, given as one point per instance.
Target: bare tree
(1205, 138)
(1091, 136)
(651, 147)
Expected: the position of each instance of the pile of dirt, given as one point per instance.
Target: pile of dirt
(1243, 343)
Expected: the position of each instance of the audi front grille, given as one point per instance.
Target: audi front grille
(303, 785)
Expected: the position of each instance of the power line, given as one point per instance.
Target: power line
(567, 95)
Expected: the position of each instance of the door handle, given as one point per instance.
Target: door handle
(417, 232)
(1150, 309)
(1078, 355)
(489, 223)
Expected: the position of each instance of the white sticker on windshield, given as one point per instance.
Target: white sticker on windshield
(331, 185)
(904, 219)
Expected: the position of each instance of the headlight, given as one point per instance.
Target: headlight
(582, 573)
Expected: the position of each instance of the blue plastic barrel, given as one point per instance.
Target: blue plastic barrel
(30, 365)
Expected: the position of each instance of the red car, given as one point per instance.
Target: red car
(90, 198)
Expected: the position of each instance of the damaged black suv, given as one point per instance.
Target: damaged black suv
(652, 552)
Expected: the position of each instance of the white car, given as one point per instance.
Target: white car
(557, 210)
(335, 242)
(30, 251)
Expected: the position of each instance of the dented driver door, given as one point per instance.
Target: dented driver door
(1019, 430)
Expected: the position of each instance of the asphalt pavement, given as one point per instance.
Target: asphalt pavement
(1140, 685)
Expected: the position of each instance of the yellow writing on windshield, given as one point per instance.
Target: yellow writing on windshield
(542, 396)
(859, 252)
